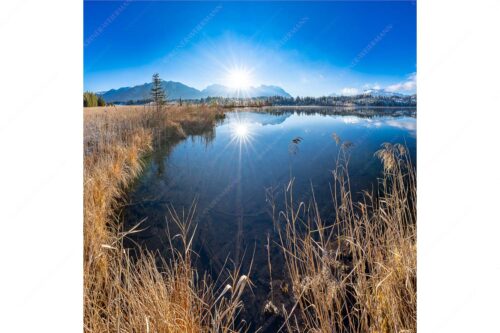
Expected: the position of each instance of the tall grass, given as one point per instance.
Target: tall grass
(141, 292)
(356, 273)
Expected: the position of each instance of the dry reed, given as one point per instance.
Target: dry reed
(358, 272)
(140, 291)
(354, 274)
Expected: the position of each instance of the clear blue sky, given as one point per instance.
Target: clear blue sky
(313, 48)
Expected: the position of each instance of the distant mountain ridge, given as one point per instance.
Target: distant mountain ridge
(373, 92)
(381, 92)
(218, 90)
(176, 90)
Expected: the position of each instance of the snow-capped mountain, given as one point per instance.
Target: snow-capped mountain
(380, 92)
(375, 92)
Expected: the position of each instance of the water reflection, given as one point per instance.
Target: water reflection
(241, 132)
(402, 122)
(229, 168)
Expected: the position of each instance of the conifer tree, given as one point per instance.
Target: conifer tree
(89, 99)
(157, 92)
(100, 101)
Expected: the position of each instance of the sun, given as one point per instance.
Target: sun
(239, 78)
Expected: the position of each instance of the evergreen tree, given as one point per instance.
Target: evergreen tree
(157, 92)
(101, 101)
(89, 99)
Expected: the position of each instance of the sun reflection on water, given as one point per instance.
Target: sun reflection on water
(241, 132)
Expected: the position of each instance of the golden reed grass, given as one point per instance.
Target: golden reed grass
(354, 274)
(143, 292)
(358, 272)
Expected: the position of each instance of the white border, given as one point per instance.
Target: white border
(458, 180)
(41, 166)
(41, 75)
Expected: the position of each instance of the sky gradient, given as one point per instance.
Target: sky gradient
(308, 49)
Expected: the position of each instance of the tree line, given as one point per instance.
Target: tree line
(359, 100)
(91, 99)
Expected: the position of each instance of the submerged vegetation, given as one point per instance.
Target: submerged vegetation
(356, 273)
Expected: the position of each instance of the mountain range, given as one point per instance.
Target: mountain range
(373, 92)
(176, 90)
(381, 92)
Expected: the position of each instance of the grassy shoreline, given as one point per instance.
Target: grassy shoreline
(354, 274)
(134, 293)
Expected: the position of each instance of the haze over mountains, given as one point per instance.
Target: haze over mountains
(176, 90)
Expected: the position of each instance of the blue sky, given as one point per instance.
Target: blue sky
(307, 48)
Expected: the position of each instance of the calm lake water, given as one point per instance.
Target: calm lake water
(229, 169)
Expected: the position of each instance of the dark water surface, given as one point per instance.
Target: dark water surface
(229, 169)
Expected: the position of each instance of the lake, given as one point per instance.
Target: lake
(229, 170)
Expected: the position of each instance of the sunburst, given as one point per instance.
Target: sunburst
(239, 78)
(241, 132)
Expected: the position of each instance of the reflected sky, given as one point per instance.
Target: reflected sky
(249, 154)
(407, 123)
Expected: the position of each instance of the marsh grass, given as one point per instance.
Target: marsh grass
(356, 273)
(139, 291)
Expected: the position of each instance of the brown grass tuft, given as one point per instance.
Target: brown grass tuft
(141, 292)
(354, 274)
(358, 272)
